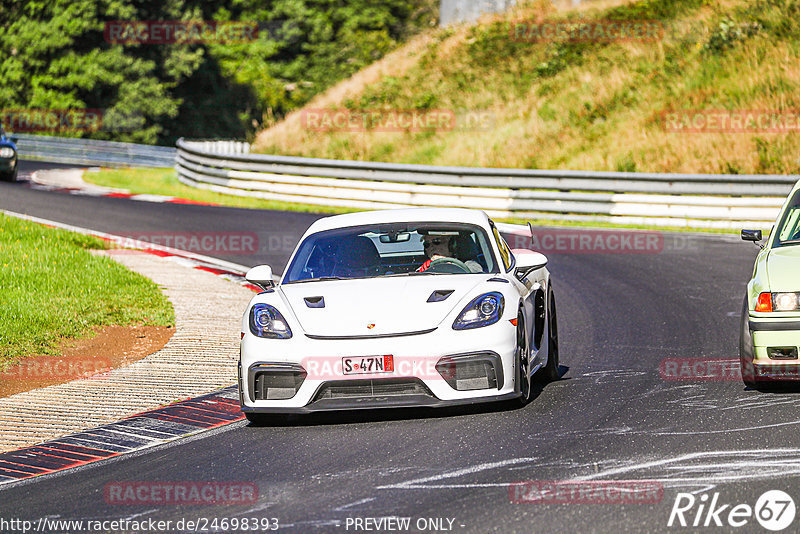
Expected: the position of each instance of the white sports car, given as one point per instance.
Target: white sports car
(394, 308)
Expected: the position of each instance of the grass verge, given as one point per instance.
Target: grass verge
(164, 182)
(54, 288)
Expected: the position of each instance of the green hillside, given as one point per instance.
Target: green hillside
(600, 103)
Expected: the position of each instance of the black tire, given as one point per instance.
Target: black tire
(256, 418)
(522, 362)
(10, 176)
(550, 372)
(746, 349)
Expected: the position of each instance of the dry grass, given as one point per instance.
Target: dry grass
(594, 107)
(395, 63)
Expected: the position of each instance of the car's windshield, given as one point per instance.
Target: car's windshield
(403, 249)
(788, 232)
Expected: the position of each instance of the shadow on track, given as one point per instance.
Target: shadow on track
(398, 414)
(785, 388)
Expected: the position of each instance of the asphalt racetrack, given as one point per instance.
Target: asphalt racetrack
(615, 415)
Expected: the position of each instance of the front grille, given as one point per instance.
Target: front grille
(386, 387)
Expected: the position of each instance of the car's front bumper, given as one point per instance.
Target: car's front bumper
(370, 403)
(415, 381)
(776, 348)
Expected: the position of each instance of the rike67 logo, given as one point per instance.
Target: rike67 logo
(774, 510)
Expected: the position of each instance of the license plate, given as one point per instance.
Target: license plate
(366, 365)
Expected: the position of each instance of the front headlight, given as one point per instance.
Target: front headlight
(481, 311)
(786, 301)
(7, 152)
(267, 321)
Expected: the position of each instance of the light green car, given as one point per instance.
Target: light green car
(770, 328)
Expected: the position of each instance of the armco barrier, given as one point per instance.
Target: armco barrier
(691, 200)
(92, 152)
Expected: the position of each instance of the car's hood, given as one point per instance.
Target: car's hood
(376, 306)
(783, 268)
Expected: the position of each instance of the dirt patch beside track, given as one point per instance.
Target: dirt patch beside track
(111, 347)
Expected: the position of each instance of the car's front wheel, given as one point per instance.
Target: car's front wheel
(746, 348)
(256, 418)
(10, 176)
(550, 372)
(522, 361)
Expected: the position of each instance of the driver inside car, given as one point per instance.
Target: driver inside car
(444, 247)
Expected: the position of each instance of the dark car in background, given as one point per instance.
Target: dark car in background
(8, 157)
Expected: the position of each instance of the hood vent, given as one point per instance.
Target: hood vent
(315, 302)
(440, 294)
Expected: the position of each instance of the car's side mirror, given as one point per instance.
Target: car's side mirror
(528, 261)
(752, 235)
(261, 276)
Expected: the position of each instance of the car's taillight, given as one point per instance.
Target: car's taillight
(764, 303)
